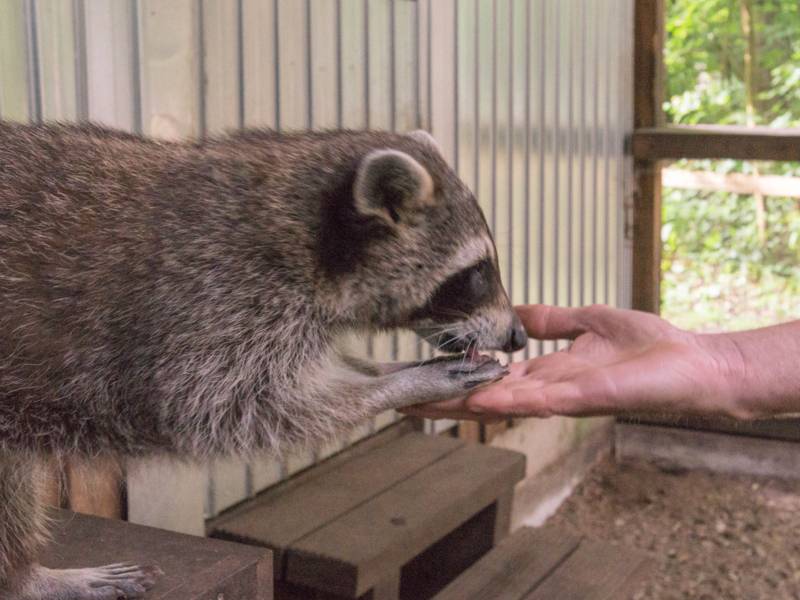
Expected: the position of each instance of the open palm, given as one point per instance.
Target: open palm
(620, 361)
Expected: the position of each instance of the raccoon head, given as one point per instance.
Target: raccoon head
(421, 256)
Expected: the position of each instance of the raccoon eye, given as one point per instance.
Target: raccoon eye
(477, 282)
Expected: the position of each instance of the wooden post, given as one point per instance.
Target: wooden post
(502, 518)
(52, 488)
(95, 488)
(388, 589)
(647, 236)
(648, 95)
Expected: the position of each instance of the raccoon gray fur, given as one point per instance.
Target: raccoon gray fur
(187, 298)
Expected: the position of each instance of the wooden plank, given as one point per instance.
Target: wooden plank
(325, 109)
(787, 429)
(595, 571)
(221, 82)
(514, 567)
(168, 494)
(734, 183)
(194, 568)
(169, 68)
(469, 431)
(95, 488)
(109, 64)
(52, 486)
(58, 61)
(228, 481)
(683, 449)
(288, 517)
(442, 58)
(294, 107)
(14, 101)
(353, 553)
(259, 47)
(266, 470)
(707, 141)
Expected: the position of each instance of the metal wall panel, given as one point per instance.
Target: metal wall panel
(529, 100)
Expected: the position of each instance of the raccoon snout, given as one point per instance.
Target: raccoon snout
(517, 337)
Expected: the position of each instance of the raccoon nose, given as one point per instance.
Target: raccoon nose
(517, 338)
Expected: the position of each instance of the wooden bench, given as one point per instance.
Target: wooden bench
(194, 568)
(546, 564)
(399, 521)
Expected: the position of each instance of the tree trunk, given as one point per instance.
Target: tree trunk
(752, 91)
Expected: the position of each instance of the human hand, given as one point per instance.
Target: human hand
(619, 362)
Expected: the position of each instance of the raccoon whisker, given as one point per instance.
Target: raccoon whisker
(453, 312)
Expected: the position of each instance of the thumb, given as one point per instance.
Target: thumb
(545, 322)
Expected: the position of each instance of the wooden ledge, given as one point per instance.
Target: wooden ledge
(194, 568)
(711, 141)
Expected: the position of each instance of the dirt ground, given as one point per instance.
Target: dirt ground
(713, 537)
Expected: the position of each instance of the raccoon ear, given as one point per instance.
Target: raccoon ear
(425, 138)
(392, 186)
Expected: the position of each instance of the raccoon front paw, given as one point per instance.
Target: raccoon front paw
(443, 378)
(471, 372)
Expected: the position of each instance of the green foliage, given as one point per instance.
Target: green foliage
(704, 60)
(718, 271)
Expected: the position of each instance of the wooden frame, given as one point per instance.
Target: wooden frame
(648, 93)
(653, 142)
(709, 141)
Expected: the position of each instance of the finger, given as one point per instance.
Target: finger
(534, 398)
(545, 322)
(566, 398)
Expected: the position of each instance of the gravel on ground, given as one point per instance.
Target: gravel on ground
(712, 536)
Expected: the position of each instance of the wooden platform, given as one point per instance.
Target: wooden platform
(397, 522)
(676, 448)
(194, 568)
(546, 564)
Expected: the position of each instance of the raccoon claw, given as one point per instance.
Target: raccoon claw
(472, 373)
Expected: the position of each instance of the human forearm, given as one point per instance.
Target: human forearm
(761, 369)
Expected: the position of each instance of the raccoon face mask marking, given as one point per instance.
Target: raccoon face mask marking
(470, 311)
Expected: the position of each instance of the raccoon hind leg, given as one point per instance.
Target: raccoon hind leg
(23, 524)
(23, 532)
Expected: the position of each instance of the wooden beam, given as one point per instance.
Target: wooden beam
(708, 141)
(648, 95)
(648, 87)
(735, 183)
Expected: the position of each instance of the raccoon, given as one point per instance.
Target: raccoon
(188, 299)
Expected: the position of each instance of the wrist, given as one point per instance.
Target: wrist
(730, 386)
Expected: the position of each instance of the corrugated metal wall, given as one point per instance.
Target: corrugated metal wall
(529, 99)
